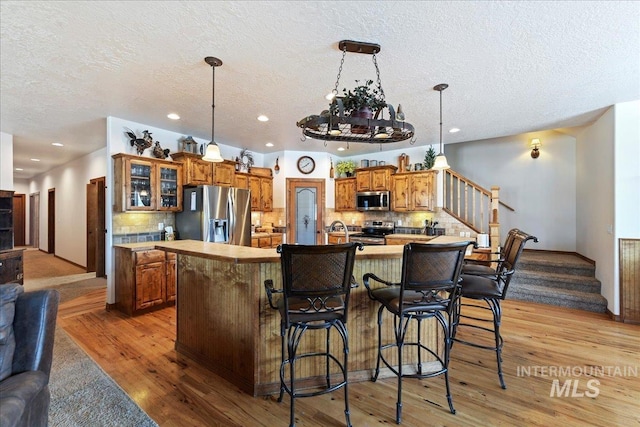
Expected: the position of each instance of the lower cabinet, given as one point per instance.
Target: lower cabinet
(269, 241)
(11, 266)
(145, 280)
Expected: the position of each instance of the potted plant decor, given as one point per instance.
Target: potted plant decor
(364, 101)
(345, 167)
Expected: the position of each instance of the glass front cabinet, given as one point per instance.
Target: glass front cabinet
(146, 184)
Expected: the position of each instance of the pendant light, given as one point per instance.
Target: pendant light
(213, 151)
(441, 160)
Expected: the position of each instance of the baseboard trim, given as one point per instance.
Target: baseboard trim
(614, 317)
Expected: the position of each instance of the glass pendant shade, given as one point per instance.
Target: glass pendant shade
(441, 162)
(213, 153)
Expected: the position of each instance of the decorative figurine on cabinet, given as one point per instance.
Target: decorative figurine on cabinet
(141, 144)
(159, 152)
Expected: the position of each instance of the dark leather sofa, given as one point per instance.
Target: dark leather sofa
(27, 326)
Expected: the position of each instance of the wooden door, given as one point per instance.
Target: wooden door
(34, 220)
(19, 217)
(150, 284)
(380, 179)
(400, 193)
(345, 194)
(172, 277)
(363, 181)
(96, 228)
(51, 221)
(295, 188)
(255, 187)
(422, 190)
(629, 250)
(266, 194)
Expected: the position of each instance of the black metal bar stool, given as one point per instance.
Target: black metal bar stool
(481, 283)
(428, 289)
(316, 285)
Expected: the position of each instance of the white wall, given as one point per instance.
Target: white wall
(6, 161)
(542, 191)
(69, 181)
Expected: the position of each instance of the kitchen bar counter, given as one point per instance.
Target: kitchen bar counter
(224, 321)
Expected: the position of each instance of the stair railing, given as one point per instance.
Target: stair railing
(474, 206)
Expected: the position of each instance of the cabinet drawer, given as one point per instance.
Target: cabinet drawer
(264, 242)
(145, 257)
(276, 240)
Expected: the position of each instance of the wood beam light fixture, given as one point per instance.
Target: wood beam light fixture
(358, 115)
(213, 151)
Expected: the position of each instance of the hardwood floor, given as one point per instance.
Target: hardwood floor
(138, 354)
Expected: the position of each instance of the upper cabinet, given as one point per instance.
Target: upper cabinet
(377, 178)
(261, 186)
(241, 180)
(195, 170)
(224, 173)
(345, 194)
(413, 191)
(146, 184)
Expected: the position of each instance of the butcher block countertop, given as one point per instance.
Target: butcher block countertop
(245, 254)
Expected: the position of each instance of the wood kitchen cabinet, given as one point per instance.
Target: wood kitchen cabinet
(195, 170)
(146, 184)
(242, 180)
(224, 173)
(377, 178)
(266, 241)
(145, 280)
(345, 194)
(261, 193)
(413, 191)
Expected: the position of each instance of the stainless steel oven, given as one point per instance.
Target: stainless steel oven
(373, 232)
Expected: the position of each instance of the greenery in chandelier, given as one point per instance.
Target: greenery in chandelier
(363, 95)
(430, 158)
(345, 167)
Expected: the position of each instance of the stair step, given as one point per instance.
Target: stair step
(557, 280)
(560, 297)
(561, 263)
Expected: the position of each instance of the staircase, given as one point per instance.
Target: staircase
(560, 279)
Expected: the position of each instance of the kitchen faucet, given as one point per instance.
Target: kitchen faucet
(332, 227)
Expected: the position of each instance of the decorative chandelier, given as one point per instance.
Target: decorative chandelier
(343, 121)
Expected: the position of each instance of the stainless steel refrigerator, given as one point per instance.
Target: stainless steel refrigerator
(215, 214)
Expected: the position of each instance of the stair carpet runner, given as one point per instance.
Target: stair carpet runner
(560, 279)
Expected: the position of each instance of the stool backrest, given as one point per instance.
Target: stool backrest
(321, 275)
(512, 255)
(432, 270)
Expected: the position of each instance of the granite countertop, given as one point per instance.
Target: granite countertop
(411, 236)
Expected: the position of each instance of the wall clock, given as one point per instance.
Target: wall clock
(306, 164)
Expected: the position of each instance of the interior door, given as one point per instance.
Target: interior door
(51, 221)
(34, 219)
(19, 201)
(305, 211)
(96, 226)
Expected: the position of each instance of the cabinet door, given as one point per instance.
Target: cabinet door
(172, 278)
(363, 181)
(400, 193)
(140, 182)
(199, 172)
(255, 187)
(422, 191)
(223, 174)
(170, 188)
(380, 179)
(150, 284)
(345, 197)
(266, 194)
(241, 180)
(276, 239)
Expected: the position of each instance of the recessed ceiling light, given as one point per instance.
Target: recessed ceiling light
(263, 118)
(454, 130)
(269, 144)
(35, 160)
(173, 116)
(57, 144)
(340, 148)
(19, 169)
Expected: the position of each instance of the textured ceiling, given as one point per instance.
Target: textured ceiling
(512, 67)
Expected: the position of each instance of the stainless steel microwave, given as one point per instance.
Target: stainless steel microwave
(373, 201)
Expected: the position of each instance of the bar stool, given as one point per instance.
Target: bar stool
(428, 289)
(315, 296)
(489, 285)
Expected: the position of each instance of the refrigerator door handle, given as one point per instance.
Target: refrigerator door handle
(231, 216)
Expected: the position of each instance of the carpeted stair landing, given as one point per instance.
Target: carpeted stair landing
(560, 279)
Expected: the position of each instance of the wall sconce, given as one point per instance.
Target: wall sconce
(535, 145)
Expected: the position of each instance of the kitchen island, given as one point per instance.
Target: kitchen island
(224, 321)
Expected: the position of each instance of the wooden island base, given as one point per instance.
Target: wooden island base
(225, 323)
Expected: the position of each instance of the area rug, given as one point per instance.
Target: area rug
(82, 394)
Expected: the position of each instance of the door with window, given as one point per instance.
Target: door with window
(305, 211)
